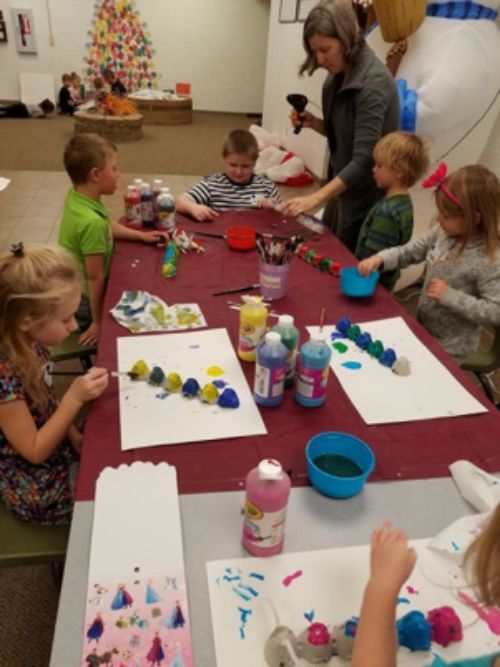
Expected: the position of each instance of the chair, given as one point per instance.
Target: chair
(72, 349)
(483, 362)
(23, 543)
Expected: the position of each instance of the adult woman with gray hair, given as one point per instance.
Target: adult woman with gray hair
(360, 105)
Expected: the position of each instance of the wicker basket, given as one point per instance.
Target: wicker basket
(399, 18)
(114, 128)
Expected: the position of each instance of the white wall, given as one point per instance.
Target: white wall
(284, 56)
(219, 46)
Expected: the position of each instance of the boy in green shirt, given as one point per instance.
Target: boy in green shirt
(86, 230)
(400, 160)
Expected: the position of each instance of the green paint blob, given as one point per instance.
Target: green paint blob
(338, 465)
(340, 347)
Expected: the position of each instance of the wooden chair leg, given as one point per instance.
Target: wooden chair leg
(485, 382)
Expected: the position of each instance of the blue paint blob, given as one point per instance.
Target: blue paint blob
(163, 396)
(337, 336)
(257, 575)
(228, 399)
(194, 347)
(156, 376)
(220, 384)
(190, 388)
(352, 365)
(351, 627)
(343, 325)
(309, 615)
(403, 601)
(456, 547)
(414, 631)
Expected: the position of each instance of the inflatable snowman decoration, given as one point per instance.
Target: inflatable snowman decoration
(449, 83)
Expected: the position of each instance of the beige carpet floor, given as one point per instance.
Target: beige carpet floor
(38, 144)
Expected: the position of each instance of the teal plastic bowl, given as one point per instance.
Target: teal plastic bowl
(359, 464)
(352, 283)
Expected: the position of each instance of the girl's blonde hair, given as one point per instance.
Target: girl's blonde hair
(34, 282)
(478, 192)
(483, 559)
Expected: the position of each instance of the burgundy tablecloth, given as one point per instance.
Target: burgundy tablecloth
(410, 450)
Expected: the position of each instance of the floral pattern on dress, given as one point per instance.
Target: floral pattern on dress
(40, 493)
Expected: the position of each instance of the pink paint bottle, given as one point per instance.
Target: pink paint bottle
(267, 490)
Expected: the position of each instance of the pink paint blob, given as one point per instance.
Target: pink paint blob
(490, 615)
(288, 580)
(411, 590)
(317, 634)
(446, 626)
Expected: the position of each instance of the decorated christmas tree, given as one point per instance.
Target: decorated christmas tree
(120, 42)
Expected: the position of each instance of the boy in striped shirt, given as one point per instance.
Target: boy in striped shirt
(237, 187)
(400, 160)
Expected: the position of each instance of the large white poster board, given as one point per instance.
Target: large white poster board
(327, 587)
(380, 396)
(148, 416)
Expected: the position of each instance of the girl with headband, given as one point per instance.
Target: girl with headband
(461, 289)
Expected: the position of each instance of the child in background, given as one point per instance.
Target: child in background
(39, 293)
(391, 563)
(66, 104)
(76, 89)
(400, 160)
(115, 85)
(86, 230)
(461, 288)
(237, 187)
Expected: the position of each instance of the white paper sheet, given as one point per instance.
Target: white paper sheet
(329, 591)
(380, 396)
(149, 417)
(137, 599)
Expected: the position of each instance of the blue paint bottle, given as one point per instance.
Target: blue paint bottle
(270, 369)
(147, 207)
(312, 375)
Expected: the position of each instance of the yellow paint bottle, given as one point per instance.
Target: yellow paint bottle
(253, 318)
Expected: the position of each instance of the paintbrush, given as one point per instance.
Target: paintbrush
(113, 374)
(322, 319)
(235, 290)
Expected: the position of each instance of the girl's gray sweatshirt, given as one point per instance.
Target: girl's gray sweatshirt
(473, 294)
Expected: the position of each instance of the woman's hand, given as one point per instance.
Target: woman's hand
(373, 263)
(90, 335)
(307, 119)
(298, 205)
(436, 289)
(89, 386)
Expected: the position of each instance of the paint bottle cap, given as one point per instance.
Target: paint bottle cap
(273, 338)
(157, 182)
(317, 337)
(286, 320)
(270, 469)
(138, 182)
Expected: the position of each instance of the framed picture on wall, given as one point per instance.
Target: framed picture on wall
(305, 7)
(288, 11)
(24, 30)
(3, 28)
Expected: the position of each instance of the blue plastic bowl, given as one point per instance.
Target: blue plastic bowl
(352, 283)
(345, 445)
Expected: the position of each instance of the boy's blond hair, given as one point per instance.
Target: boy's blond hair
(404, 153)
(83, 153)
(33, 283)
(241, 142)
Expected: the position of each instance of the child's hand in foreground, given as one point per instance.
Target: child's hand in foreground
(436, 289)
(154, 236)
(392, 560)
(203, 213)
(89, 386)
(366, 266)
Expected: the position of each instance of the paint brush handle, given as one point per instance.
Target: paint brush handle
(235, 290)
(212, 235)
(113, 374)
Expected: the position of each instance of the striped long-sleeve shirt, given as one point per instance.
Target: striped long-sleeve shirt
(221, 193)
(389, 223)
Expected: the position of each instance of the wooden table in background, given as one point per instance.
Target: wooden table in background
(165, 112)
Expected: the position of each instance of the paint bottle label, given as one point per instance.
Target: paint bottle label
(269, 382)
(311, 382)
(263, 529)
(250, 336)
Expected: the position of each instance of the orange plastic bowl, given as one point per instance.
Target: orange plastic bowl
(241, 238)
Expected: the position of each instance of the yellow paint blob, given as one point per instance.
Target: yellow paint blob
(214, 371)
